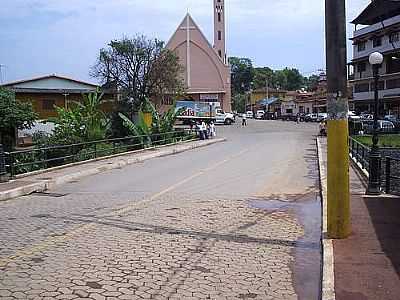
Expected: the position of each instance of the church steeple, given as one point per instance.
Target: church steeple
(219, 28)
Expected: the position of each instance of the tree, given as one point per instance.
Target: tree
(81, 122)
(13, 115)
(140, 68)
(289, 79)
(242, 74)
(312, 82)
(239, 102)
(262, 76)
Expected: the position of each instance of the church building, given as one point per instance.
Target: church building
(206, 73)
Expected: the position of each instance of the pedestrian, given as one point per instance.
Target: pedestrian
(204, 130)
(244, 120)
(213, 130)
(200, 130)
(298, 119)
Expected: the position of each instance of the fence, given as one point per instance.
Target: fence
(360, 153)
(389, 174)
(392, 175)
(20, 162)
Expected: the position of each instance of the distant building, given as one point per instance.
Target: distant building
(257, 96)
(47, 92)
(381, 33)
(206, 73)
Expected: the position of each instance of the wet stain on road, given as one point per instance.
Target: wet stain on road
(307, 264)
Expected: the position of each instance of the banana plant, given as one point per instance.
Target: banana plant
(139, 130)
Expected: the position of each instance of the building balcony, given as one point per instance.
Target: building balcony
(376, 27)
(389, 87)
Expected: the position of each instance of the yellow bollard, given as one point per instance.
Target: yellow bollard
(339, 226)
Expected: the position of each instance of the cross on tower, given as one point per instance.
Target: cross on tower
(188, 62)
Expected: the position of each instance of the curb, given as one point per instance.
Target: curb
(328, 272)
(43, 185)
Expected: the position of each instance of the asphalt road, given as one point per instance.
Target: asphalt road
(235, 220)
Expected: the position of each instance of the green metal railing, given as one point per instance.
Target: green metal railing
(25, 161)
(360, 153)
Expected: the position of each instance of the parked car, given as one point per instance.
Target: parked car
(310, 118)
(249, 114)
(391, 118)
(383, 126)
(322, 117)
(353, 116)
(260, 114)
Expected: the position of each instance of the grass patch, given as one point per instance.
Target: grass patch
(387, 140)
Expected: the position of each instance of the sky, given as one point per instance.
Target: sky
(39, 37)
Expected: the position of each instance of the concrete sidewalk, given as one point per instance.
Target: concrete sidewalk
(46, 179)
(367, 264)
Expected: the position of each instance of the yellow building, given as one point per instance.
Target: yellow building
(260, 94)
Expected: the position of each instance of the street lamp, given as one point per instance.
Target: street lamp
(374, 182)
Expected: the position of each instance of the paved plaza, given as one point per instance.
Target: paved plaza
(234, 220)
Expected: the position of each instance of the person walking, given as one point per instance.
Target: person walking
(213, 132)
(199, 129)
(204, 129)
(244, 120)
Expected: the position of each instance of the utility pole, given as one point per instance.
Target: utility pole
(339, 226)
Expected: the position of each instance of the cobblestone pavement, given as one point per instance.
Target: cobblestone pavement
(224, 222)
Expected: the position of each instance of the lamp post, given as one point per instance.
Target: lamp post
(374, 182)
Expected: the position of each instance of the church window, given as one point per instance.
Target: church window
(219, 17)
(220, 53)
(219, 35)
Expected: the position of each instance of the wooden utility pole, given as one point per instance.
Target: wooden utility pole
(338, 132)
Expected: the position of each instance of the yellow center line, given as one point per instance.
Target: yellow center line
(51, 241)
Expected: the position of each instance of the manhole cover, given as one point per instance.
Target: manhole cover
(174, 208)
(94, 285)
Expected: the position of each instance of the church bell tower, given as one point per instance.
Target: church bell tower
(219, 28)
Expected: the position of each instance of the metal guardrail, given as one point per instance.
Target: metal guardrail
(360, 153)
(25, 161)
(392, 175)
